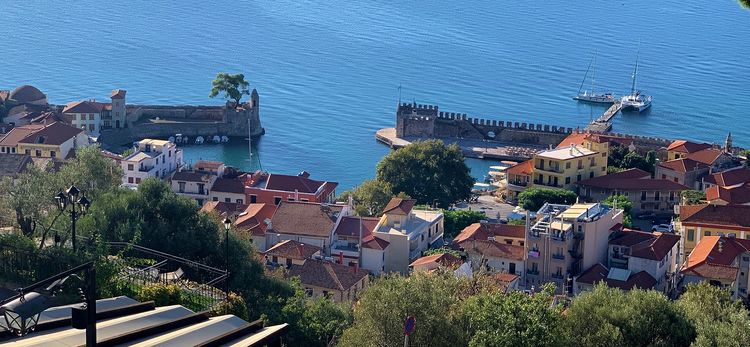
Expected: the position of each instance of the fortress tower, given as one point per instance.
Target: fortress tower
(118, 109)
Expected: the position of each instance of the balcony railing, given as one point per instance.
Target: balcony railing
(555, 169)
(558, 256)
(557, 275)
(532, 272)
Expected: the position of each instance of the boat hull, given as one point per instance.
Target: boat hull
(596, 99)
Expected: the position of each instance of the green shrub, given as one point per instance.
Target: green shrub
(161, 294)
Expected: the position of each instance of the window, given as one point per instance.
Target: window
(663, 176)
(239, 201)
(290, 199)
(130, 179)
(643, 195)
(227, 199)
(288, 262)
(580, 164)
(276, 200)
(275, 259)
(604, 168)
(304, 200)
(707, 233)
(690, 234)
(91, 127)
(91, 116)
(216, 198)
(422, 239)
(567, 165)
(253, 199)
(671, 196)
(591, 174)
(52, 154)
(201, 188)
(182, 186)
(578, 178)
(130, 167)
(604, 155)
(38, 153)
(656, 196)
(137, 180)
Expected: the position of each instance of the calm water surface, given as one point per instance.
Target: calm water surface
(328, 72)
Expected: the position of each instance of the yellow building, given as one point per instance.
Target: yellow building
(563, 167)
(55, 140)
(680, 149)
(700, 221)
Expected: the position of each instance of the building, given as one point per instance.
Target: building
(518, 177)
(681, 148)
(409, 232)
(255, 220)
(264, 187)
(563, 167)
(565, 240)
(354, 242)
(495, 247)
(289, 252)
(93, 116)
(152, 158)
(645, 193)
(227, 190)
(323, 278)
(699, 221)
(636, 259)
(434, 262)
(56, 140)
(12, 165)
(690, 169)
(304, 222)
(192, 184)
(722, 261)
(728, 187)
(728, 178)
(229, 210)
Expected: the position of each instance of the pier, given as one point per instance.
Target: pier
(603, 123)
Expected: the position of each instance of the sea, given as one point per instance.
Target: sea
(330, 73)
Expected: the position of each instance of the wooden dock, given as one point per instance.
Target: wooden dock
(603, 123)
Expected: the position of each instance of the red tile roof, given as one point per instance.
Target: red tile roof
(223, 208)
(633, 179)
(682, 165)
(399, 206)
(652, 246)
(118, 94)
(706, 156)
(304, 218)
(373, 242)
(292, 249)
(207, 164)
(191, 176)
(482, 231)
(574, 138)
(19, 133)
(253, 219)
(487, 248)
(228, 185)
(683, 146)
(443, 259)
(598, 273)
(55, 133)
(738, 195)
(83, 107)
(350, 226)
(729, 216)
(525, 168)
(506, 277)
(325, 274)
(729, 177)
(714, 256)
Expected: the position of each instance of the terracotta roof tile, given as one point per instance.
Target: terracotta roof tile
(253, 218)
(55, 133)
(653, 246)
(118, 94)
(302, 218)
(223, 208)
(714, 256)
(19, 133)
(290, 183)
(525, 168)
(738, 195)
(325, 274)
(730, 216)
(399, 206)
(706, 156)
(480, 231)
(292, 249)
(682, 165)
(443, 259)
(615, 181)
(683, 146)
(729, 177)
(494, 249)
(83, 107)
(575, 138)
(207, 164)
(228, 185)
(350, 226)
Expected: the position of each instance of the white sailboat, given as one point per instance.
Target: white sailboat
(635, 101)
(593, 97)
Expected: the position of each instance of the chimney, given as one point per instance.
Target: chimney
(356, 267)
(341, 257)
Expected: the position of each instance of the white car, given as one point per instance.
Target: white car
(663, 228)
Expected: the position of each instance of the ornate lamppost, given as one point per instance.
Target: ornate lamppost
(70, 198)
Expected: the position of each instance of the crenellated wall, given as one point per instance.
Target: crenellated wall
(423, 121)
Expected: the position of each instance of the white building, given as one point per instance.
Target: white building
(152, 158)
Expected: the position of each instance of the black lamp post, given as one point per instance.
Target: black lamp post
(227, 225)
(70, 198)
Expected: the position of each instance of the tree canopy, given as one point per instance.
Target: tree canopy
(428, 171)
(370, 197)
(532, 199)
(233, 86)
(718, 320)
(693, 197)
(623, 203)
(457, 220)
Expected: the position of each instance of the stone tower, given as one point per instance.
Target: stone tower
(728, 143)
(118, 109)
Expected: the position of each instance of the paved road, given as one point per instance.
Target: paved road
(493, 210)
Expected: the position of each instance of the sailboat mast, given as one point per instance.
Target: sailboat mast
(635, 72)
(584, 76)
(593, 73)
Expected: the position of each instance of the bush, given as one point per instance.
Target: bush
(161, 294)
(457, 220)
(533, 199)
(235, 306)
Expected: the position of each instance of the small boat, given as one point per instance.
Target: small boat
(185, 139)
(593, 97)
(199, 140)
(171, 139)
(635, 101)
(216, 139)
(178, 138)
(224, 139)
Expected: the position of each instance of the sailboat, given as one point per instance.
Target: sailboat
(635, 101)
(594, 97)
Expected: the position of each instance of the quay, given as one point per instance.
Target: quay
(471, 148)
(604, 122)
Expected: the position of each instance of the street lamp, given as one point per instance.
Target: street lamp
(70, 198)
(22, 314)
(227, 225)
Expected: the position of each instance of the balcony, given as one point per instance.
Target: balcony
(547, 184)
(346, 247)
(558, 256)
(532, 272)
(557, 275)
(552, 170)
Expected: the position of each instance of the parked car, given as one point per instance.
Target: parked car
(663, 228)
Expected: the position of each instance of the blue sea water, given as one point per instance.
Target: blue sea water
(328, 71)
